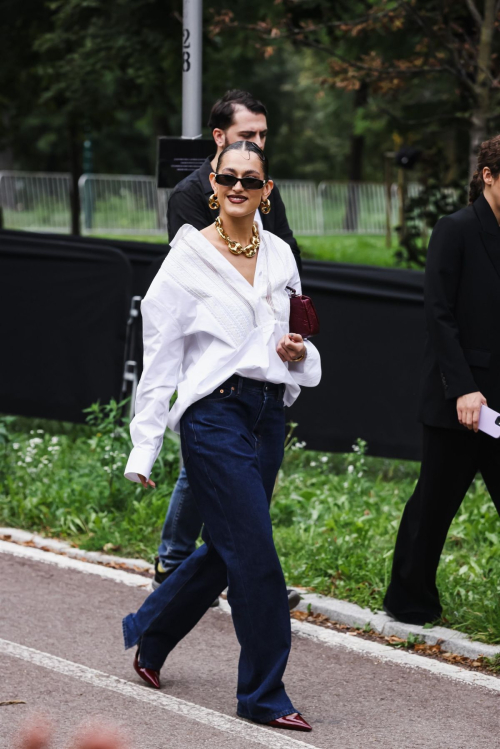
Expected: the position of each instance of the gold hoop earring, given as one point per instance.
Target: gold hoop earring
(213, 202)
(265, 206)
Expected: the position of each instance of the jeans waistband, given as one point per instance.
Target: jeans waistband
(246, 383)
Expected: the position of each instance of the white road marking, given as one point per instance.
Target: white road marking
(367, 648)
(387, 654)
(243, 730)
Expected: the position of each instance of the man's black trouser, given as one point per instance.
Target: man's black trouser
(450, 460)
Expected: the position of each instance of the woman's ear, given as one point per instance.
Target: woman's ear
(267, 189)
(213, 183)
(487, 176)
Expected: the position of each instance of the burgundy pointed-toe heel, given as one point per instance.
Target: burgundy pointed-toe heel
(147, 674)
(294, 722)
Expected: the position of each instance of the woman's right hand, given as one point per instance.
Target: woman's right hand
(290, 347)
(469, 408)
(146, 482)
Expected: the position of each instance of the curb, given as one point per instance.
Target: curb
(342, 612)
(54, 544)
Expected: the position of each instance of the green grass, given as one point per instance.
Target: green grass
(55, 216)
(153, 238)
(348, 248)
(362, 249)
(335, 516)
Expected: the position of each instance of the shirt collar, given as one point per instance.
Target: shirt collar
(204, 174)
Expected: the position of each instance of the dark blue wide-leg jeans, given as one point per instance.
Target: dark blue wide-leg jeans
(182, 525)
(232, 443)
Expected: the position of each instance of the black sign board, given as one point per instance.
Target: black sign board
(178, 157)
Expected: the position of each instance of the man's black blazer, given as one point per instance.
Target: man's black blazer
(188, 204)
(462, 307)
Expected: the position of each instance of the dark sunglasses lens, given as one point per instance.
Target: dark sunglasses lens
(227, 180)
(247, 183)
(252, 183)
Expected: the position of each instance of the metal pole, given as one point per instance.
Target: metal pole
(192, 20)
(192, 45)
(402, 203)
(388, 159)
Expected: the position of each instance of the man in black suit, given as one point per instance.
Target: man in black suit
(461, 372)
(237, 116)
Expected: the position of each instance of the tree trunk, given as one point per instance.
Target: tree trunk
(7, 196)
(355, 169)
(6, 159)
(479, 120)
(75, 158)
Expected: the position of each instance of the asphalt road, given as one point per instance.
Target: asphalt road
(352, 701)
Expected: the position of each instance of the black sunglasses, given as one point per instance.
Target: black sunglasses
(247, 183)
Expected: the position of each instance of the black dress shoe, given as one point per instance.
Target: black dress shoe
(419, 619)
(293, 598)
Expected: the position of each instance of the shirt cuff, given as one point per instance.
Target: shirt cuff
(140, 461)
(308, 371)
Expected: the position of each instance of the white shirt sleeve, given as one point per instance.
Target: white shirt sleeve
(163, 353)
(308, 371)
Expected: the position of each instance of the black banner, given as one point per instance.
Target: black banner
(178, 157)
(371, 344)
(64, 307)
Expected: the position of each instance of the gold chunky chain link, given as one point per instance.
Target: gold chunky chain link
(235, 247)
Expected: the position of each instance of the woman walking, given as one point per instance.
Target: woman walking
(216, 330)
(461, 373)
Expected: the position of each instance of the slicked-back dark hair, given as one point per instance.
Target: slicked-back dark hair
(222, 113)
(251, 147)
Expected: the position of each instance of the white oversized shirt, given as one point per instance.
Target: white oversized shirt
(203, 322)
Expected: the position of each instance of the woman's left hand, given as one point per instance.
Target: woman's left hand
(146, 482)
(291, 347)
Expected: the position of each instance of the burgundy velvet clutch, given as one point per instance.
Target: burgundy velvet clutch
(303, 316)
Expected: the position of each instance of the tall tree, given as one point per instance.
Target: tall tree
(97, 57)
(425, 63)
(78, 63)
(485, 80)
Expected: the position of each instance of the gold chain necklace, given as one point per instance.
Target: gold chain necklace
(235, 247)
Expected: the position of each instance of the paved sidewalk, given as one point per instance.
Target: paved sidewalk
(342, 612)
(61, 651)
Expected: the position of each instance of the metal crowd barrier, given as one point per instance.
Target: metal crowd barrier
(121, 204)
(304, 209)
(131, 204)
(38, 201)
(353, 207)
